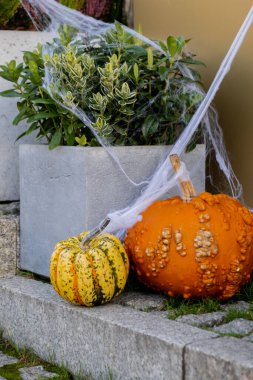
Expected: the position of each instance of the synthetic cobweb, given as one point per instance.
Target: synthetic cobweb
(86, 34)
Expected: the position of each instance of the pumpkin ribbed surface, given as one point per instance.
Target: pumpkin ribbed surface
(92, 275)
(199, 249)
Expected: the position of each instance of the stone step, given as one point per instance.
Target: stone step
(6, 360)
(128, 343)
(203, 320)
(237, 326)
(35, 373)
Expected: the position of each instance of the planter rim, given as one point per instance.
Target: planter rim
(119, 147)
(23, 31)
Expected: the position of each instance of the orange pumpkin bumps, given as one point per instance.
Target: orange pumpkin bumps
(198, 249)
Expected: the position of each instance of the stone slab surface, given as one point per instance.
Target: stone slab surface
(6, 359)
(36, 373)
(70, 189)
(160, 314)
(224, 358)
(237, 326)
(94, 340)
(239, 305)
(141, 301)
(203, 320)
(249, 338)
(12, 44)
(9, 236)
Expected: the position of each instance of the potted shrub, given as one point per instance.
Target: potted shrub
(135, 98)
(18, 34)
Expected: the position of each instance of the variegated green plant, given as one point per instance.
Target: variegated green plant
(133, 95)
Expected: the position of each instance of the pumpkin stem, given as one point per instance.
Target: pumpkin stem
(95, 232)
(188, 190)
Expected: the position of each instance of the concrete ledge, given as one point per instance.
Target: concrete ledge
(222, 358)
(131, 344)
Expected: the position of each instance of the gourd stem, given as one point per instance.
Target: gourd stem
(95, 232)
(188, 190)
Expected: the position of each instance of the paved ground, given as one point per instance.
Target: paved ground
(26, 373)
(215, 321)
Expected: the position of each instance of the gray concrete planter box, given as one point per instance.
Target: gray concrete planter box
(12, 43)
(70, 189)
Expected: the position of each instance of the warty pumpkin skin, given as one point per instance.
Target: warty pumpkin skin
(92, 275)
(199, 249)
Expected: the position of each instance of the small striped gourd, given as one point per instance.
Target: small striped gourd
(89, 275)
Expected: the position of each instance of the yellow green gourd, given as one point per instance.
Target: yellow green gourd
(91, 274)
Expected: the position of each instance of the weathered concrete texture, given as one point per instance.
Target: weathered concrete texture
(11, 208)
(12, 44)
(237, 326)
(71, 189)
(239, 305)
(130, 343)
(141, 301)
(6, 360)
(249, 338)
(9, 234)
(160, 314)
(36, 373)
(224, 358)
(203, 320)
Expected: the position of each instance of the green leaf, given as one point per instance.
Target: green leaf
(10, 94)
(56, 140)
(69, 133)
(30, 56)
(21, 105)
(82, 141)
(12, 65)
(163, 46)
(70, 138)
(150, 126)
(17, 72)
(136, 52)
(119, 29)
(163, 72)
(21, 116)
(44, 101)
(35, 75)
(150, 59)
(120, 130)
(42, 115)
(136, 72)
(172, 45)
(180, 44)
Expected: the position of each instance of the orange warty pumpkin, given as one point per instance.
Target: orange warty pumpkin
(199, 249)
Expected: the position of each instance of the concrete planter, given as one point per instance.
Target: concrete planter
(70, 189)
(12, 43)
